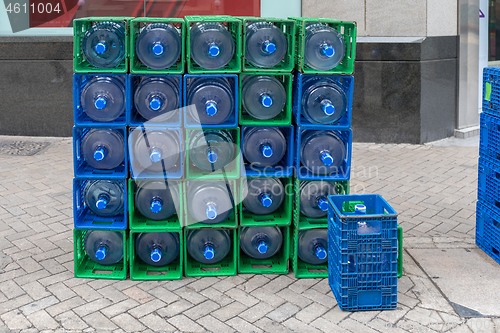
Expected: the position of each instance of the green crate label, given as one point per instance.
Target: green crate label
(487, 93)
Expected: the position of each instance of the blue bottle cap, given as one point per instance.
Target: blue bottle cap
(326, 158)
(101, 203)
(328, 51)
(156, 206)
(211, 212)
(270, 47)
(328, 109)
(213, 50)
(158, 49)
(323, 204)
(266, 101)
(209, 252)
(262, 247)
(267, 151)
(155, 104)
(211, 108)
(320, 252)
(100, 254)
(266, 200)
(100, 48)
(156, 255)
(155, 156)
(212, 156)
(100, 103)
(360, 209)
(99, 154)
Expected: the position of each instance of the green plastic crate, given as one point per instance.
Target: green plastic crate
(88, 269)
(284, 118)
(281, 217)
(300, 268)
(80, 26)
(231, 171)
(136, 26)
(139, 223)
(230, 223)
(139, 270)
(346, 29)
(225, 267)
(287, 26)
(234, 27)
(277, 264)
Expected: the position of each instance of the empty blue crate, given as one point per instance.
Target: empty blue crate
(211, 101)
(100, 204)
(490, 137)
(155, 100)
(362, 252)
(100, 153)
(100, 100)
(489, 184)
(488, 231)
(323, 153)
(311, 107)
(491, 91)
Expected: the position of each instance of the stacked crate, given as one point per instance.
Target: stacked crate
(488, 204)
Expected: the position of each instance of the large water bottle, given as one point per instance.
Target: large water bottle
(157, 248)
(212, 46)
(313, 198)
(208, 246)
(103, 148)
(262, 96)
(266, 44)
(104, 197)
(103, 44)
(103, 98)
(159, 45)
(313, 246)
(323, 100)
(157, 98)
(157, 151)
(210, 100)
(322, 152)
(261, 242)
(264, 195)
(211, 150)
(209, 202)
(157, 199)
(104, 247)
(264, 146)
(324, 47)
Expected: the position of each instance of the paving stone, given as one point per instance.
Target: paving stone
(29, 265)
(42, 320)
(284, 312)
(156, 323)
(267, 325)
(263, 295)
(190, 294)
(355, 326)
(214, 325)
(216, 296)
(311, 312)
(138, 295)
(174, 308)
(15, 320)
(61, 291)
(229, 311)
(96, 305)
(11, 289)
(201, 309)
(128, 323)
(298, 326)
(70, 321)
(256, 312)
(184, 324)
(278, 284)
(64, 306)
(36, 290)
(327, 326)
(292, 297)
(97, 319)
(242, 297)
(38, 305)
(113, 310)
(242, 326)
(146, 308)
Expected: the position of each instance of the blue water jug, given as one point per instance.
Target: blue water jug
(262, 96)
(104, 247)
(157, 248)
(266, 44)
(313, 198)
(209, 202)
(324, 47)
(159, 45)
(212, 150)
(264, 146)
(157, 98)
(264, 195)
(103, 44)
(104, 197)
(156, 151)
(313, 246)
(212, 45)
(103, 98)
(261, 242)
(103, 148)
(322, 152)
(210, 100)
(323, 100)
(208, 246)
(157, 199)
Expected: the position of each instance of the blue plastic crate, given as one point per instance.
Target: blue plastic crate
(362, 253)
(347, 84)
(83, 170)
(491, 91)
(490, 137)
(85, 219)
(135, 119)
(139, 172)
(489, 184)
(488, 231)
(283, 169)
(80, 117)
(231, 122)
(344, 171)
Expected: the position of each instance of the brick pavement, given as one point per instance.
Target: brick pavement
(432, 188)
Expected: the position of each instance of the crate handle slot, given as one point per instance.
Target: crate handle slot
(262, 266)
(495, 251)
(317, 270)
(101, 271)
(496, 224)
(156, 273)
(209, 269)
(369, 227)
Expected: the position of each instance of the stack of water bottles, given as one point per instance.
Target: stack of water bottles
(488, 204)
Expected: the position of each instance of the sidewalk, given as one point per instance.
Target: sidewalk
(448, 283)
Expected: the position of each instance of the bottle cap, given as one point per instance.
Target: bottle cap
(267, 151)
(209, 253)
(212, 156)
(211, 109)
(320, 252)
(214, 50)
(156, 206)
(266, 101)
(323, 204)
(266, 200)
(326, 158)
(101, 203)
(156, 255)
(262, 247)
(270, 47)
(100, 103)
(328, 109)
(158, 49)
(100, 254)
(100, 48)
(99, 154)
(211, 212)
(155, 104)
(328, 51)
(155, 156)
